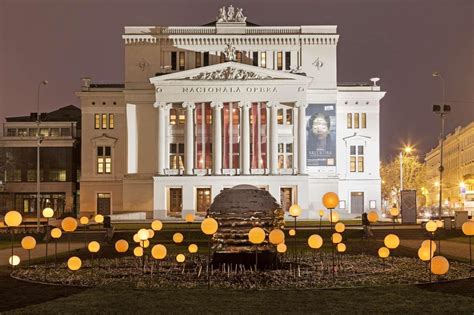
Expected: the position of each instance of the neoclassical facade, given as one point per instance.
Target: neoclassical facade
(205, 108)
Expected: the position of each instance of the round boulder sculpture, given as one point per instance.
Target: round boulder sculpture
(238, 210)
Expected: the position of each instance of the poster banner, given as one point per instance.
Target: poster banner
(321, 135)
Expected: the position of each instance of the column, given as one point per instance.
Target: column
(273, 137)
(245, 123)
(162, 139)
(217, 138)
(189, 138)
(301, 137)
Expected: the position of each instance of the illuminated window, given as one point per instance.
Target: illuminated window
(176, 199)
(176, 155)
(104, 121)
(286, 198)
(182, 60)
(349, 120)
(285, 155)
(104, 160)
(197, 57)
(289, 116)
(203, 199)
(280, 116)
(258, 136)
(280, 60)
(364, 120)
(263, 59)
(111, 121)
(356, 120)
(356, 159)
(203, 135)
(97, 121)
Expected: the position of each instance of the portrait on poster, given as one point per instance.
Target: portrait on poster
(321, 135)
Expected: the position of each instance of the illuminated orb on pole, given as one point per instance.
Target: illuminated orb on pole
(99, 218)
(340, 227)
(426, 243)
(192, 248)
(28, 243)
(48, 213)
(391, 241)
(468, 228)
(336, 238)
(281, 248)
(74, 263)
(158, 251)
(189, 218)
(295, 210)
(14, 260)
(333, 217)
(330, 200)
(341, 247)
(138, 251)
(431, 226)
(69, 224)
(439, 265)
(142, 234)
(424, 253)
(372, 216)
(151, 233)
(56, 233)
(121, 246)
(276, 236)
(383, 252)
(292, 232)
(156, 225)
(178, 238)
(256, 235)
(180, 258)
(209, 226)
(93, 247)
(394, 212)
(84, 220)
(13, 218)
(315, 241)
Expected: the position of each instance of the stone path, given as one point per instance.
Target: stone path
(38, 252)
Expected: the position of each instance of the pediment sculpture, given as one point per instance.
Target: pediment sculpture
(229, 73)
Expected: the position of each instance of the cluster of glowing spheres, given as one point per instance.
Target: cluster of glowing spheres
(256, 235)
(192, 248)
(394, 212)
(138, 251)
(14, 260)
(48, 213)
(384, 252)
(330, 200)
(28, 242)
(84, 220)
(142, 234)
(69, 224)
(180, 258)
(333, 217)
(74, 263)
(391, 241)
(178, 238)
(431, 226)
(341, 247)
(99, 218)
(145, 243)
(340, 227)
(295, 210)
(93, 247)
(424, 253)
(189, 218)
(156, 225)
(315, 241)
(281, 248)
(56, 233)
(276, 237)
(426, 243)
(13, 218)
(468, 228)
(121, 246)
(158, 251)
(292, 232)
(439, 265)
(151, 233)
(372, 216)
(336, 238)
(209, 226)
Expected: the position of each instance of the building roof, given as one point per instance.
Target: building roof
(66, 113)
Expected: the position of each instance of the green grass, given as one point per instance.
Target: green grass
(395, 299)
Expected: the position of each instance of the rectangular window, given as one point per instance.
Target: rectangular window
(14, 175)
(176, 199)
(174, 61)
(289, 116)
(263, 59)
(97, 121)
(203, 199)
(353, 164)
(197, 59)
(57, 175)
(258, 136)
(54, 132)
(287, 60)
(364, 120)
(44, 132)
(222, 57)
(205, 58)
(176, 155)
(203, 136)
(360, 164)
(111, 121)
(104, 121)
(104, 160)
(280, 60)
(33, 132)
(280, 116)
(177, 116)
(11, 132)
(356, 163)
(22, 132)
(255, 58)
(286, 198)
(182, 60)
(238, 56)
(356, 120)
(285, 155)
(349, 120)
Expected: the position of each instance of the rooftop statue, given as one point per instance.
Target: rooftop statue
(231, 15)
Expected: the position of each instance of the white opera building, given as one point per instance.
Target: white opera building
(206, 108)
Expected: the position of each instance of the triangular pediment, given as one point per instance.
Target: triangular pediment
(230, 71)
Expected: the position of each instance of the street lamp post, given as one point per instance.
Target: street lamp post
(406, 150)
(38, 142)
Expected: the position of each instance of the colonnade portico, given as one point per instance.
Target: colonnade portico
(244, 167)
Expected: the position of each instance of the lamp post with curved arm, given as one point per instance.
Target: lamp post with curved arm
(38, 143)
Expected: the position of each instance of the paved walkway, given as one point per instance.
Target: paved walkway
(449, 248)
(38, 252)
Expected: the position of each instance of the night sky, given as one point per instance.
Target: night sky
(400, 41)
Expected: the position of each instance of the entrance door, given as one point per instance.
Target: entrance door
(176, 200)
(357, 202)
(103, 204)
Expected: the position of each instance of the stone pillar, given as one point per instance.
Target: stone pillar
(245, 132)
(189, 138)
(217, 138)
(273, 137)
(162, 139)
(301, 137)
